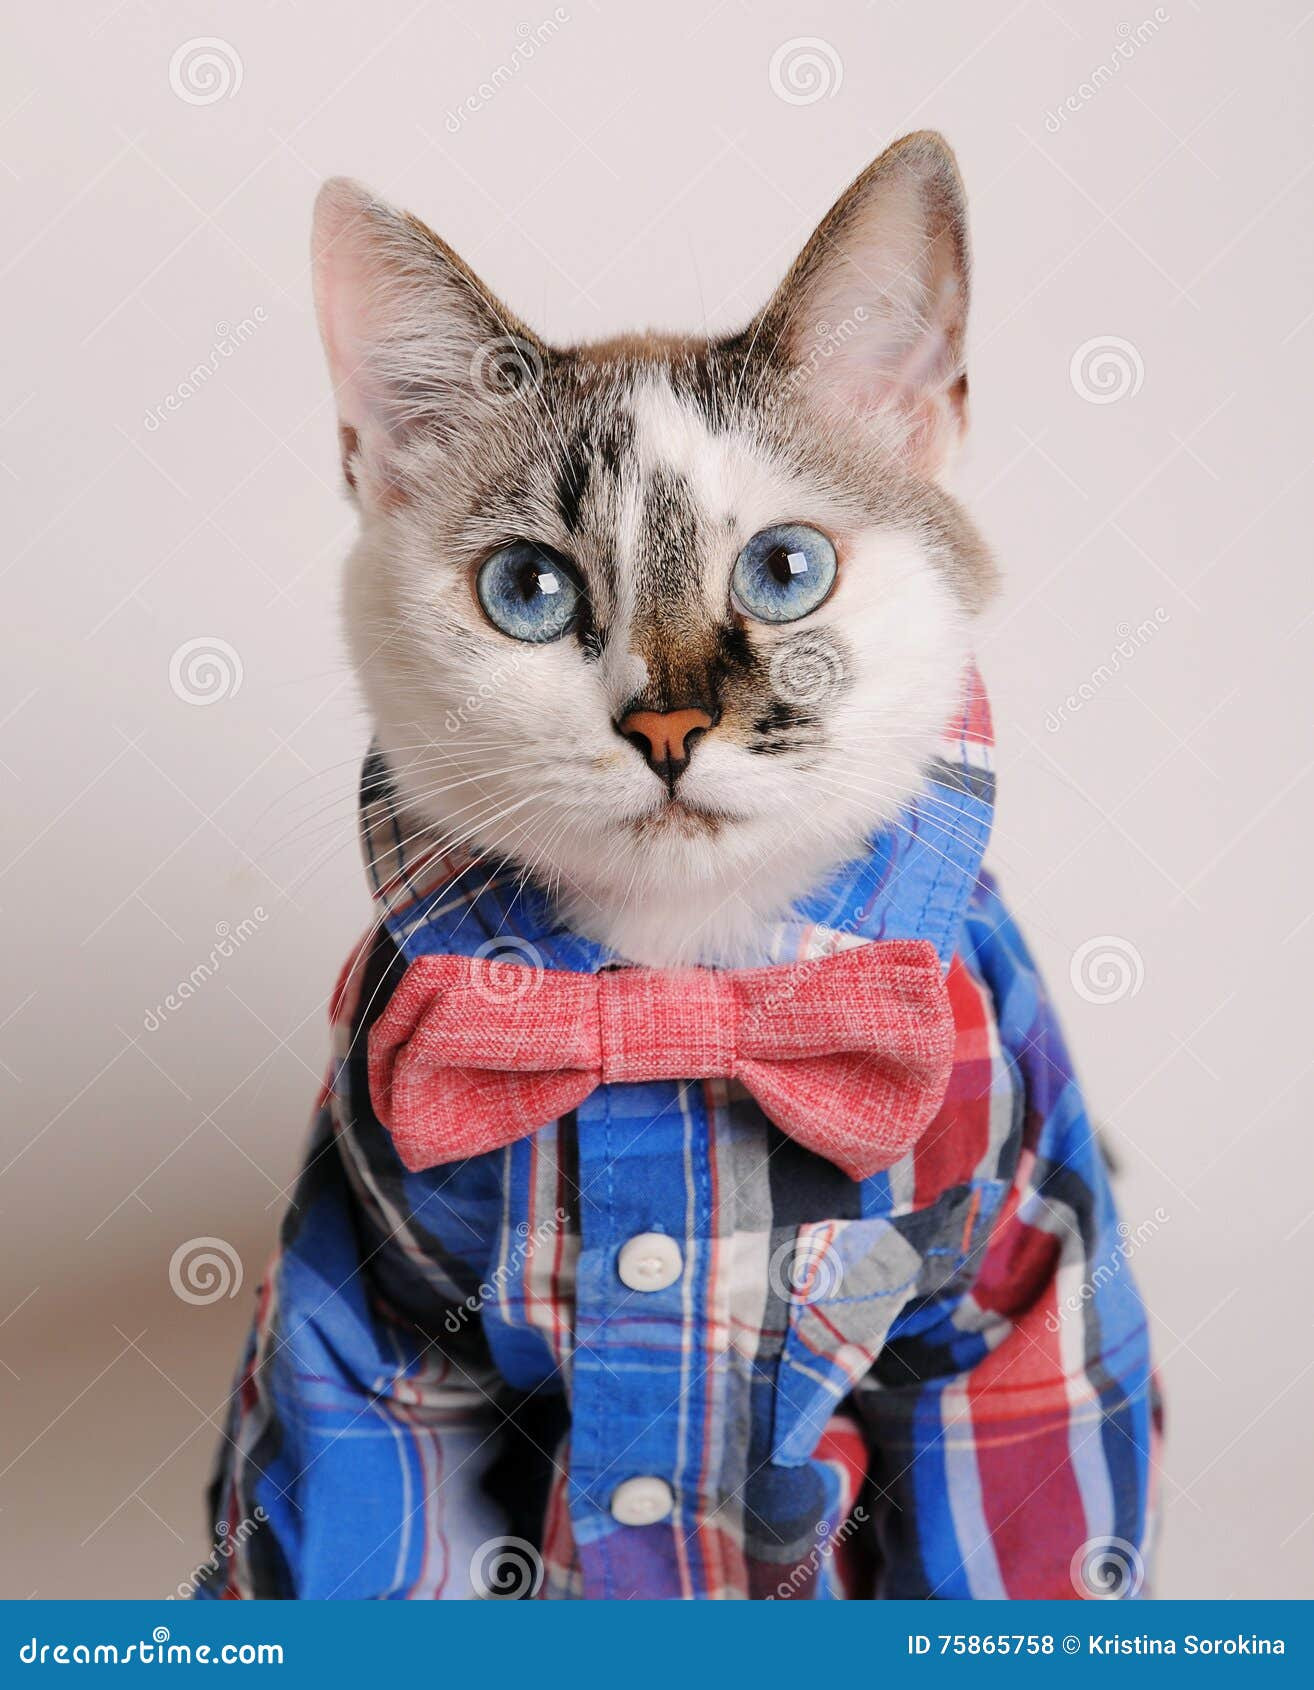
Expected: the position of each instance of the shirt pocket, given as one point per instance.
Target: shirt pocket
(951, 1235)
(849, 1283)
(850, 1279)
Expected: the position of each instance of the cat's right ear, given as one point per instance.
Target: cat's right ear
(872, 318)
(415, 342)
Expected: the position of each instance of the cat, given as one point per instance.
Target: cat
(642, 469)
(701, 1203)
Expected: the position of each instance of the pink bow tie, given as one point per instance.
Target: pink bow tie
(849, 1055)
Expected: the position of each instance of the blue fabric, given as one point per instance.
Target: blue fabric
(448, 1359)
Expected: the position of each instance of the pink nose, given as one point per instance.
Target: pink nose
(666, 738)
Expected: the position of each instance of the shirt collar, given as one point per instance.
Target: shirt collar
(913, 883)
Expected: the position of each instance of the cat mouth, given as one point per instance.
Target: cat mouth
(683, 817)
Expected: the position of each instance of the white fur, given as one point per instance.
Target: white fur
(513, 746)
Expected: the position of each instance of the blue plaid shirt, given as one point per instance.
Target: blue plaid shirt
(933, 1382)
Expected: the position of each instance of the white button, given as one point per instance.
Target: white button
(650, 1262)
(642, 1502)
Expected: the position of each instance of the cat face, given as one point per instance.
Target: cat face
(674, 624)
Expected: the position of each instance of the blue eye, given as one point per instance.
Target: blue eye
(783, 573)
(529, 592)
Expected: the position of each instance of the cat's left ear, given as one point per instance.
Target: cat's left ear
(415, 343)
(871, 320)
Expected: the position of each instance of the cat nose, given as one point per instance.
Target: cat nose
(666, 738)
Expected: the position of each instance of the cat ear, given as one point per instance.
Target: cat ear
(415, 342)
(871, 320)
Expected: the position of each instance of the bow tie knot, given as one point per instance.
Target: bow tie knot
(849, 1054)
(655, 1026)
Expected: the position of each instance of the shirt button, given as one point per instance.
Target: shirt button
(650, 1262)
(642, 1502)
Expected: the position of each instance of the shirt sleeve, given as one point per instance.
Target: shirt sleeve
(1015, 1428)
(358, 1441)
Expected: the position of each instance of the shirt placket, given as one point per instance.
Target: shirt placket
(644, 1375)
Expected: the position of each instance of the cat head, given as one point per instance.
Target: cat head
(673, 623)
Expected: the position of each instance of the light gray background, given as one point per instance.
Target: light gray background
(639, 167)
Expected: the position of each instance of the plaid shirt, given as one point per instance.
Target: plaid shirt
(934, 1382)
